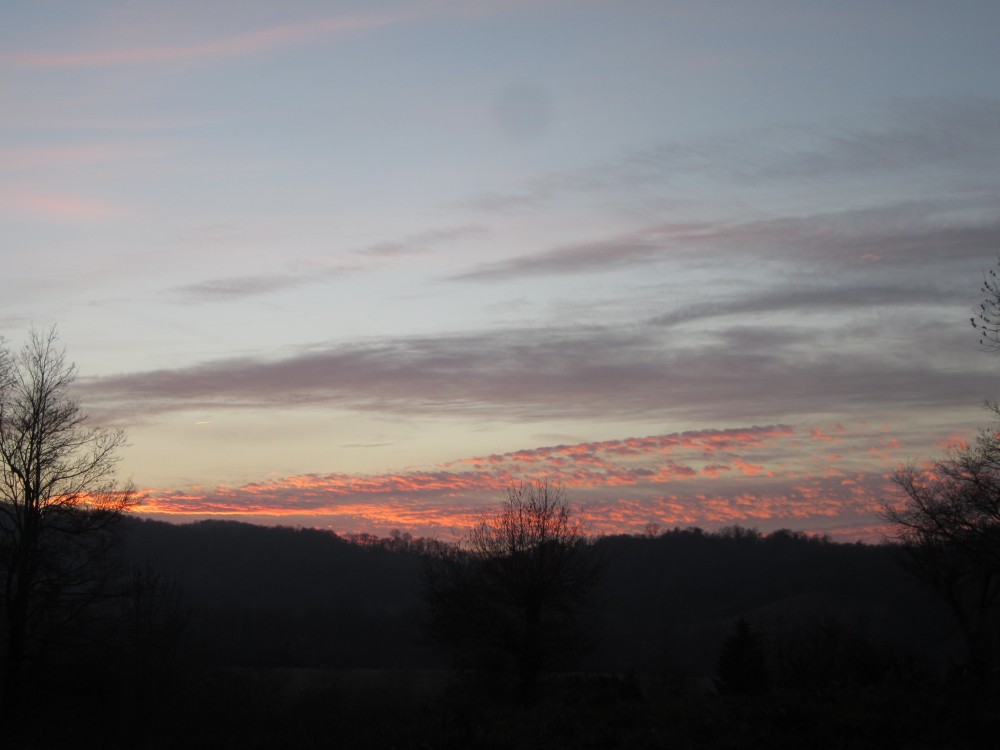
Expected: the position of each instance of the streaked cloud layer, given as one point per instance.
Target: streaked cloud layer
(736, 372)
(362, 265)
(754, 475)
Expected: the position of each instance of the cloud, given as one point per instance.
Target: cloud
(34, 159)
(589, 257)
(249, 43)
(225, 289)
(909, 137)
(597, 373)
(814, 299)
(229, 288)
(617, 485)
(705, 442)
(911, 233)
(915, 134)
(224, 234)
(60, 207)
(422, 241)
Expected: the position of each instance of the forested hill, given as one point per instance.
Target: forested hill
(675, 597)
(276, 596)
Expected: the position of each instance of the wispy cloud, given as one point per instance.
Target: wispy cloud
(911, 233)
(38, 158)
(238, 287)
(58, 206)
(254, 42)
(34, 169)
(815, 299)
(599, 373)
(945, 134)
(591, 257)
(422, 242)
(230, 288)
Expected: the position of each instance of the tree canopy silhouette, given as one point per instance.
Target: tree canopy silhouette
(949, 528)
(519, 586)
(58, 498)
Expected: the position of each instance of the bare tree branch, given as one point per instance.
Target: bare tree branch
(518, 587)
(986, 320)
(58, 495)
(948, 526)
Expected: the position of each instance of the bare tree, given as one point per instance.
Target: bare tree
(58, 500)
(519, 586)
(949, 528)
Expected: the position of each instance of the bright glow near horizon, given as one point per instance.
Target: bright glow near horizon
(360, 264)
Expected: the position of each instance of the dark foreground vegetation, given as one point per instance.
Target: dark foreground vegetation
(234, 635)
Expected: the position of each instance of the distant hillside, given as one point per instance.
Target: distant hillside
(276, 596)
(670, 600)
(265, 596)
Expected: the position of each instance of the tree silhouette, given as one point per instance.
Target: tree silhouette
(519, 586)
(949, 528)
(741, 668)
(58, 499)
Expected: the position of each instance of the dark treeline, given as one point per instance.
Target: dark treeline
(670, 600)
(270, 597)
(229, 634)
(280, 597)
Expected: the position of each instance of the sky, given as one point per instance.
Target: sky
(362, 265)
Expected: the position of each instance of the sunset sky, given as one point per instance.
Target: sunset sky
(360, 265)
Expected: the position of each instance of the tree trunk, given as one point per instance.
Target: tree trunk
(17, 623)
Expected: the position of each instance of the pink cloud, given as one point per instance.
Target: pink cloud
(618, 486)
(57, 206)
(255, 42)
(33, 159)
(706, 442)
(958, 440)
(750, 470)
(817, 434)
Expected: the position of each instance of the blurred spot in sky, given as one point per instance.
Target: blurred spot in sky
(522, 112)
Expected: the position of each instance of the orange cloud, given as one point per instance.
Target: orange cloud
(817, 434)
(618, 486)
(748, 469)
(955, 441)
(601, 454)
